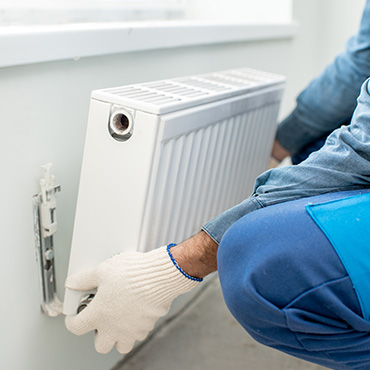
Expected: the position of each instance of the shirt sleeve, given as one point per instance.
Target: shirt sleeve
(330, 99)
(343, 163)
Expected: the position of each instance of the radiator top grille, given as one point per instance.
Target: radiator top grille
(167, 96)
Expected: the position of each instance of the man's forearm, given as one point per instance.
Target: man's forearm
(197, 256)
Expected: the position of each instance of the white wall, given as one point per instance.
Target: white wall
(265, 11)
(333, 29)
(43, 118)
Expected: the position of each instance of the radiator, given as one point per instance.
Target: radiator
(164, 157)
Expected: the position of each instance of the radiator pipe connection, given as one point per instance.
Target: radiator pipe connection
(120, 125)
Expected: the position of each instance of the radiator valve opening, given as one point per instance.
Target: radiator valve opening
(120, 126)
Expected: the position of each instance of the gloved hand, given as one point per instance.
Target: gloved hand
(133, 291)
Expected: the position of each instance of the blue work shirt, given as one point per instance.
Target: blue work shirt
(328, 102)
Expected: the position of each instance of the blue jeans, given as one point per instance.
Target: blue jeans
(284, 283)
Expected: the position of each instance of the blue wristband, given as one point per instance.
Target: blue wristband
(178, 267)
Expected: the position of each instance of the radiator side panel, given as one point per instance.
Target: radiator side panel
(112, 192)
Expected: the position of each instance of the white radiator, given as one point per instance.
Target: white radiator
(162, 158)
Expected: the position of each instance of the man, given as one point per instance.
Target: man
(292, 258)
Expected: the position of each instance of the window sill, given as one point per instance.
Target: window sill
(35, 44)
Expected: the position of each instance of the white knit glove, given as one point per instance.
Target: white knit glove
(133, 291)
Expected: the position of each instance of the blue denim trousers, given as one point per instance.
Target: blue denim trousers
(284, 283)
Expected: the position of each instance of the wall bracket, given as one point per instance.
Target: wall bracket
(45, 226)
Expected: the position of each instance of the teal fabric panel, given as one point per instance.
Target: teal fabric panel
(346, 223)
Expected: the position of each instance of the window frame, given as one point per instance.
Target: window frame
(34, 42)
(27, 45)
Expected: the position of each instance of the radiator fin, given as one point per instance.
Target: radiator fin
(196, 168)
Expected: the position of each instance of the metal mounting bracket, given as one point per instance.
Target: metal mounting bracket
(45, 226)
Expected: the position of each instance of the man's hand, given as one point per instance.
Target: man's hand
(278, 152)
(133, 291)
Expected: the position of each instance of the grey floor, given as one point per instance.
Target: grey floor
(206, 337)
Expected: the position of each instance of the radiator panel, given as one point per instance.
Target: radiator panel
(205, 172)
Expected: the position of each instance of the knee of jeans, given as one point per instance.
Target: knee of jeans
(247, 273)
(239, 277)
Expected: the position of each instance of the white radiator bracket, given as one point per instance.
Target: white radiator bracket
(45, 226)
